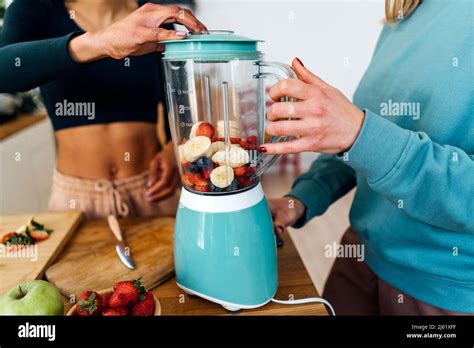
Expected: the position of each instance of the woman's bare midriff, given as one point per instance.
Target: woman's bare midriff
(107, 151)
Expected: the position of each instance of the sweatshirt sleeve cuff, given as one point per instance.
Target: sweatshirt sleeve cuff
(314, 198)
(378, 148)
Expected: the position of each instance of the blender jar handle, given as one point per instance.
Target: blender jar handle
(285, 72)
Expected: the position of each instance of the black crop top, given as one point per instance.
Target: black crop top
(34, 52)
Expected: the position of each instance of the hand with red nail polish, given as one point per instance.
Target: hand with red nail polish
(285, 212)
(321, 120)
(134, 35)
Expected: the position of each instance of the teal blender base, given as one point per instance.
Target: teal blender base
(225, 248)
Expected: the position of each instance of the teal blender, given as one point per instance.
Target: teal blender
(225, 249)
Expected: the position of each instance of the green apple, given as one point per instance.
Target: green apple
(36, 297)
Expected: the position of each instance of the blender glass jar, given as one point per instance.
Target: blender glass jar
(216, 102)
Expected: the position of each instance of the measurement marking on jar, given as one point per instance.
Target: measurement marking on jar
(179, 91)
(183, 108)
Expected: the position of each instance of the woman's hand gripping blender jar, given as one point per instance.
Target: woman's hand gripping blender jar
(323, 120)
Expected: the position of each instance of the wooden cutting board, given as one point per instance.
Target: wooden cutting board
(94, 264)
(32, 264)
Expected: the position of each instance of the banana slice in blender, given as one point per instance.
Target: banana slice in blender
(197, 147)
(232, 123)
(234, 129)
(217, 146)
(220, 146)
(233, 157)
(194, 129)
(182, 158)
(222, 176)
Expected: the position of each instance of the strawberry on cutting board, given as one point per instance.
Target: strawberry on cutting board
(126, 293)
(39, 235)
(145, 307)
(7, 236)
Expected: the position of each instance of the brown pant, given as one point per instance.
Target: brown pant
(100, 198)
(353, 289)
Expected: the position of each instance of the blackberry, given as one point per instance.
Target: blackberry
(214, 188)
(194, 167)
(204, 163)
(233, 186)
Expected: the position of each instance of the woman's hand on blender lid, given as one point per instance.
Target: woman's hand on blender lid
(136, 34)
(322, 118)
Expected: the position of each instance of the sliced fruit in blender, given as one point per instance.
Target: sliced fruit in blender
(182, 158)
(202, 129)
(187, 179)
(240, 171)
(222, 176)
(207, 173)
(235, 185)
(252, 139)
(197, 147)
(251, 170)
(220, 146)
(39, 235)
(214, 188)
(204, 163)
(217, 146)
(247, 145)
(200, 184)
(233, 157)
(205, 129)
(202, 188)
(233, 140)
(192, 178)
(6, 237)
(245, 181)
(194, 128)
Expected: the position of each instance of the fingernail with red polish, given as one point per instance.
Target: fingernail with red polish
(299, 61)
(262, 149)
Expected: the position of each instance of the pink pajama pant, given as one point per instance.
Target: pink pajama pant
(100, 198)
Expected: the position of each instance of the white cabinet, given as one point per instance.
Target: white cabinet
(26, 167)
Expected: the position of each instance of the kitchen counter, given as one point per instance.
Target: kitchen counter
(19, 123)
(294, 280)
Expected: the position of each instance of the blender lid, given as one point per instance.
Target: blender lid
(216, 45)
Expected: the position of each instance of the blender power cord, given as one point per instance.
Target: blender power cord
(307, 300)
